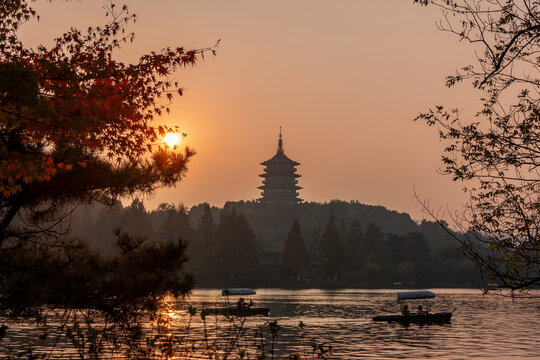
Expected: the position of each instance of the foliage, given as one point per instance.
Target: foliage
(295, 256)
(236, 250)
(271, 222)
(410, 247)
(173, 223)
(354, 246)
(331, 249)
(203, 255)
(76, 125)
(36, 278)
(497, 152)
(375, 246)
(429, 247)
(370, 273)
(136, 219)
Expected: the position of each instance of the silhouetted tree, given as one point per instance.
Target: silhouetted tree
(236, 249)
(436, 235)
(99, 232)
(496, 151)
(370, 273)
(175, 224)
(332, 255)
(354, 246)
(120, 290)
(314, 241)
(77, 126)
(203, 259)
(295, 256)
(136, 220)
(410, 247)
(342, 230)
(376, 246)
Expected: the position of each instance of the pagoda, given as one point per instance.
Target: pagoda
(280, 178)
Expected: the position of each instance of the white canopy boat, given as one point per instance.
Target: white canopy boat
(241, 308)
(423, 318)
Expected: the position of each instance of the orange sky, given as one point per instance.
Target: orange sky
(344, 78)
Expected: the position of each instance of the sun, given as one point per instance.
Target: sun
(171, 139)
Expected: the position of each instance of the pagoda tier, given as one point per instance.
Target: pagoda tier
(280, 178)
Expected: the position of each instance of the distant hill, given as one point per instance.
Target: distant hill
(272, 221)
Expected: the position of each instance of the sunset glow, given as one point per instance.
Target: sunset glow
(270, 179)
(171, 139)
(371, 97)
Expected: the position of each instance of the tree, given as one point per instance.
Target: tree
(295, 256)
(497, 151)
(174, 223)
(375, 246)
(412, 256)
(236, 251)
(76, 126)
(136, 220)
(96, 224)
(203, 250)
(331, 249)
(411, 247)
(99, 300)
(354, 246)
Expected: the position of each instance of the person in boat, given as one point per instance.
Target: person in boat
(405, 310)
(421, 311)
(241, 303)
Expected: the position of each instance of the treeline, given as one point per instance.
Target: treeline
(332, 244)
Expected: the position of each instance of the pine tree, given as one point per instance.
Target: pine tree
(354, 246)
(411, 247)
(236, 248)
(376, 248)
(203, 252)
(295, 256)
(175, 224)
(135, 220)
(331, 249)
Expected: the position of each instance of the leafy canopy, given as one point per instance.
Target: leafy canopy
(77, 125)
(497, 152)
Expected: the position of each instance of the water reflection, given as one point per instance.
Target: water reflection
(482, 327)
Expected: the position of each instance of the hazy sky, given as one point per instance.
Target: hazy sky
(344, 78)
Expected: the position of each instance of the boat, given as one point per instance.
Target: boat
(425, 318)
(240, 309)
(436, 318)
(230, 310)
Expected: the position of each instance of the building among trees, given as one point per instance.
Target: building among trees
(280, 178)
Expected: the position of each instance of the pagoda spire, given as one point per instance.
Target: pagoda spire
(280, 141)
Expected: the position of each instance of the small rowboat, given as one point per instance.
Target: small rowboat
(245, 310)
(436, 318)
(408, 318)
(235, 311)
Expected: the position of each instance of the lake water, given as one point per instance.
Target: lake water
(482, 327)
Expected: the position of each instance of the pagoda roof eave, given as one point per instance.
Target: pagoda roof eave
(280, 158)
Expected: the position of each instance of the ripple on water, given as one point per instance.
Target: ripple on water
(482, 327)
